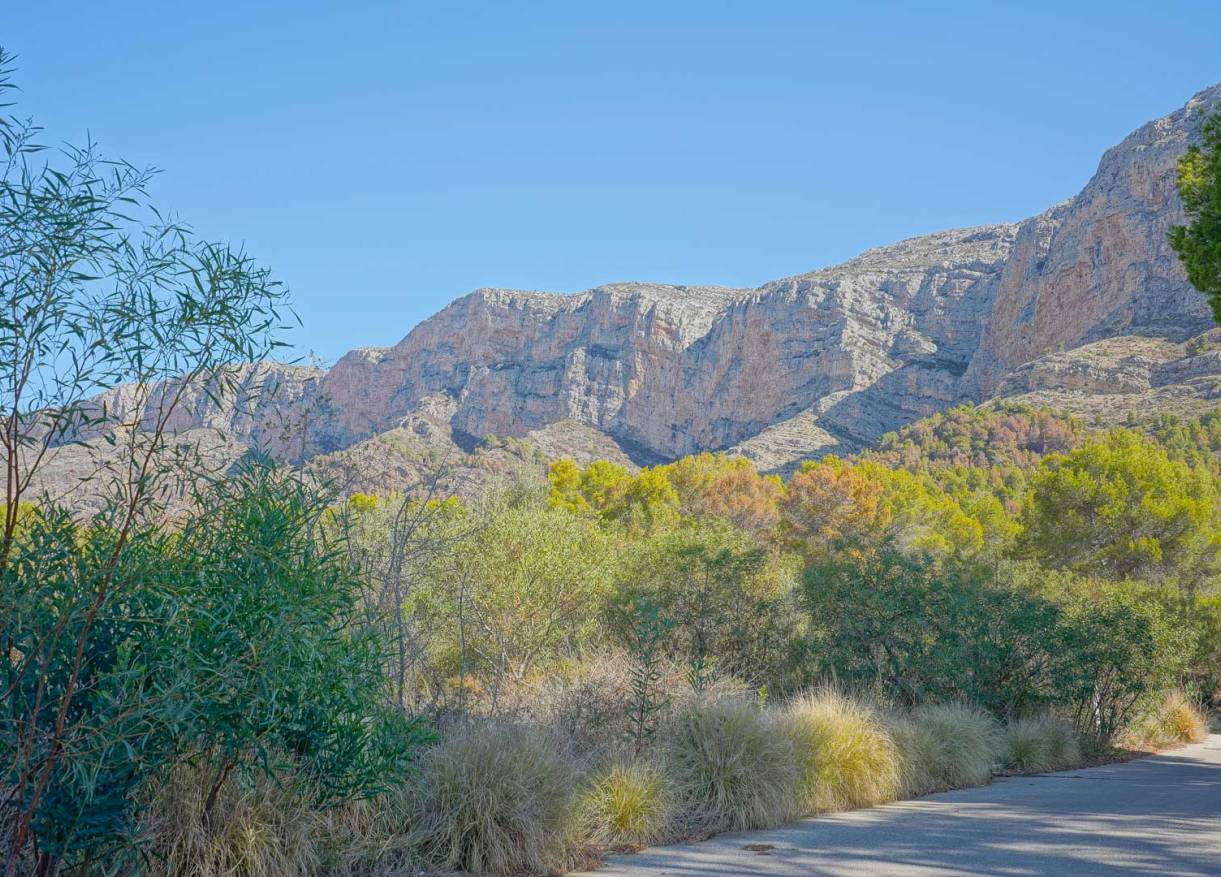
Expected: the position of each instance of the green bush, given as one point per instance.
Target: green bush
(945, 746)
(727, 602)
(268, 644)
(845, 753)
(915, 630)
(497, 799)
(735, 769)
(1039, 743)
(1116, 652)
(233, 649)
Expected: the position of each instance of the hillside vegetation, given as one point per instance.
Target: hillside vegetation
(614, 658)
(237, 670)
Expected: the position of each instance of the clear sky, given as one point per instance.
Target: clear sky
(387, 157)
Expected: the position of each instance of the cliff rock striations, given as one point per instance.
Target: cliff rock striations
(1084, 307)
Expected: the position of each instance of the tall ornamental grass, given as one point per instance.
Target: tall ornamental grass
(734, 768)
(1039, 743)
(630, 803)
(1170, 720)
(946, 746)
(845, 755)
(498, 799)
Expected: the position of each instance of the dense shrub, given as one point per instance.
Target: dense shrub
(497, 799)
(1039, 743)
(945, 746)
(734, 768)
(1117, 651)
(268, 645)
(727, 601)
(913, 630)
(586, 701)
(845, 753)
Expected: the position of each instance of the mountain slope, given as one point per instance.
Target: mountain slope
(829, 360)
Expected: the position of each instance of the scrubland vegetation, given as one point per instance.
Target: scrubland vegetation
(281, 680)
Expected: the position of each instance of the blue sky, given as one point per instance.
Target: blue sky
(387, 157)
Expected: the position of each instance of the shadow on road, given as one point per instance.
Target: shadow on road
(1158, 815)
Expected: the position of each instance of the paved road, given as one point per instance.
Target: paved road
(1159, 815)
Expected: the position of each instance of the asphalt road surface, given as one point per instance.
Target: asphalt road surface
(1158, 815)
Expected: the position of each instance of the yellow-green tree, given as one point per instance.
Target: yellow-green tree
(645, 501)
(1120, 507)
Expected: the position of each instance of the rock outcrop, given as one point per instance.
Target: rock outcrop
(1084, 306)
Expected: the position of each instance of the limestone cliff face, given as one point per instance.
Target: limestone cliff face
(670, 370)
(517, 361)
(1099, 265)
(823, 361)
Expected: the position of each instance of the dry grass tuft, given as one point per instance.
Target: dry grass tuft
(1172, 720)
(945, 746)
(263, 829)
(1040, 743)
(734, 768)
(629, 804)
(497, 799)
(844, 752)
(257, 828)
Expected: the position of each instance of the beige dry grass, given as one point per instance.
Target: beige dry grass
(498, 799)
(1173, 719)
(945, 746)
(845, 753)
(1039, 743)
(735, 769)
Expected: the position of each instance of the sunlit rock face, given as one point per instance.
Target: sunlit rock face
(820, 362)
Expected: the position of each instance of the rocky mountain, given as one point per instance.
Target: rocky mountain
(1083, 306)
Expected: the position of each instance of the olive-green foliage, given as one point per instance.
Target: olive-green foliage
(497, 799)
(1197, 441)
(1198, 244)
(1204, 664)
(520, 592)
(629, 803)
(913, 630)
(999, 437)
(945, 746)
(1117, 650)
(726, 600)
(1039, 743)
(734, 768)
(844, 751)
(646, 631)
